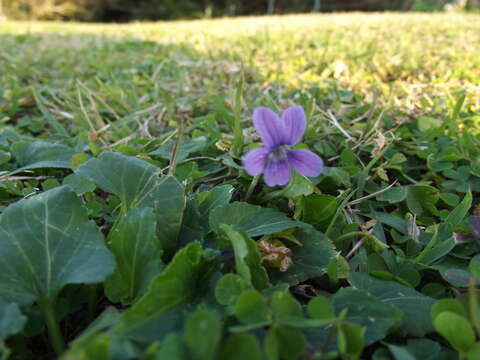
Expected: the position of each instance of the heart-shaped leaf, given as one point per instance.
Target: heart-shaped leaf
(47, 242)
(415, 306)
(368, 311)
(137, 184)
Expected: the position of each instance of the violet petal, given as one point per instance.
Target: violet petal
(474, 222)
(295, 121)
(305, 162)
(254, 161)
(277, 173)
(269, 126)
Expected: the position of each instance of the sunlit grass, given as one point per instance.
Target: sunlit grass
(414, 62)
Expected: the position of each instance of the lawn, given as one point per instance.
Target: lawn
(129, 228)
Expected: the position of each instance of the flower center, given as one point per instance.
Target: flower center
(279, 153)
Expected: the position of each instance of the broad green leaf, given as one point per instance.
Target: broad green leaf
(424, 349)
(318, 210)
(47, 242)
(186, 148)
(284, 342)
(350, 339)
(415, 306)
(421, 198)
(203, 331)
(228, 289)
(78, 184)
(247, 258)
(209, 200)
(252, 220)
(175, 286)
(393, 195)
(241, 347)
(133, 180)
(310, 260)
(456, 329)
(137, 184)
(11, 320)
(400, 352)
(450, 305)
(363, 309)
(321, 308)
(285, 307)
(252, 308)
(138, 254)
(299, 185)
(40, 154)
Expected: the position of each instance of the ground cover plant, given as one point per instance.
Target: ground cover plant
(130, 229)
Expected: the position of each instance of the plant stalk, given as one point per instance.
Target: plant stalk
(54, 333)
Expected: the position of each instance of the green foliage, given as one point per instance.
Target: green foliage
(376, 258)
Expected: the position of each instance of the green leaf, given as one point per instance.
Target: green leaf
(138, 253)
(247, 258)
(137, 184)
(79, 184)
(350, 339)
(450, 305)
(299, 185)
(40, 154)
(171, 348)
(97, 347)
(176, 285)
(209, 200)
(424, 349)
(11, 320)
(422, 197)
(474, 266)
(455, 217)
(393, 195)
(284, 342)
(338, 268)
(321, 308)
(474, 352)
(310, 260)
(285, 307)
(363, 309)
(229, 288)
(415, 306)
(400, 353)
(186, 148)
(49, 242)
(240, 347)
(252, 309)
(252, 220)
(456, 329)
(203, 331)
(318, 210)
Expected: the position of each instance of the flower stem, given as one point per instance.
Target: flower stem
(237, 127)
(252, 187)
(54, 333)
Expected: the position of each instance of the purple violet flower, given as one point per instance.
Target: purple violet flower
(275, 159)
